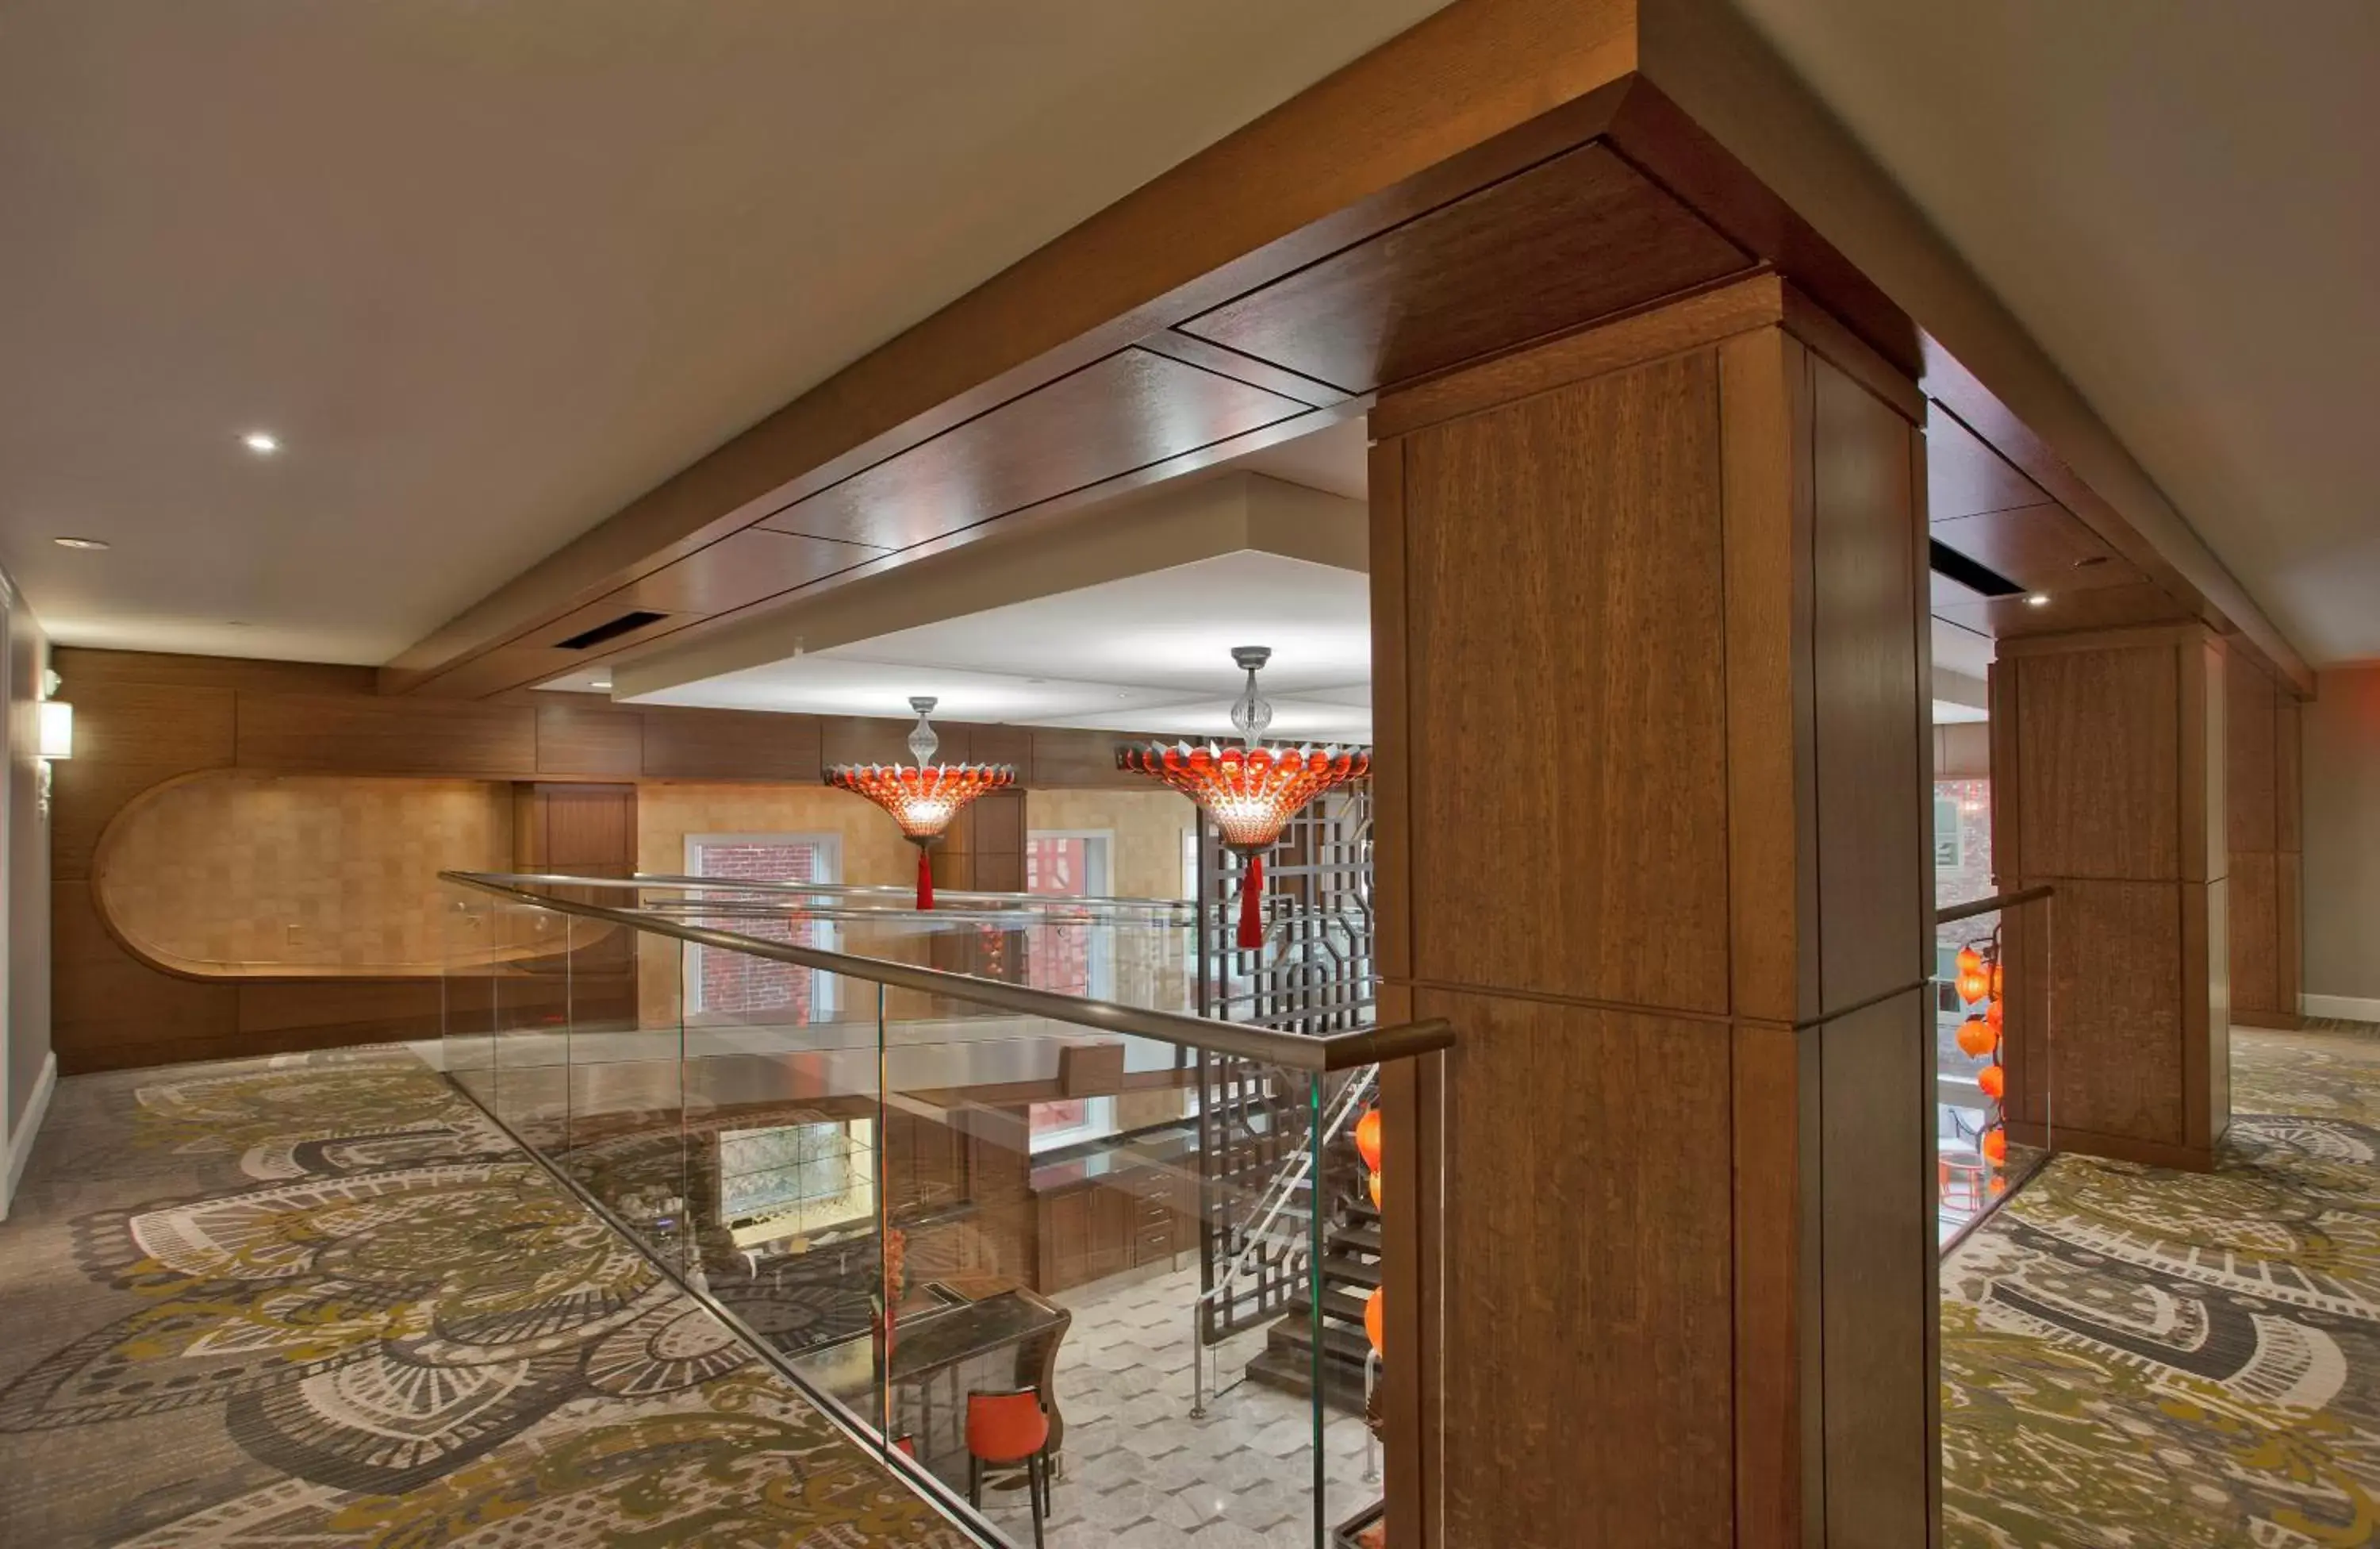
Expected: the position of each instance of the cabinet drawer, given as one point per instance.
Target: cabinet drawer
(1154, 1243)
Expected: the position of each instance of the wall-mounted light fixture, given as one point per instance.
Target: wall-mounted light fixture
(56, 730)
(52, 741)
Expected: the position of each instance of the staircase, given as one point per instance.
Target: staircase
(1351, 1269)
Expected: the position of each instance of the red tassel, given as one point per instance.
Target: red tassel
(1252, 904)
(925, 879)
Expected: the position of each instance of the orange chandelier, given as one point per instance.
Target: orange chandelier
(923, 799)
(1250, 791)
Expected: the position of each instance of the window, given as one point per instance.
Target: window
(798, 1177)
(735, 987)
(1071, 1122)
(1074, 957)
(1949, 841)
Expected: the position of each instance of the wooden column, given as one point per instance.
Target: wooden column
(1650, 703)
(2108, 766)
(2260, 736)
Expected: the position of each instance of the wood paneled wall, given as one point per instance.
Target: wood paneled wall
(2109, 764)
(1649, 639)
(2268, 930)
(142, 720)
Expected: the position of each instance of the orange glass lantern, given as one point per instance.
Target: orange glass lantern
(1250, 791)
(1977, 1038)
(1993, 1078)
(1375, 1187)
(925, 798)
(1372, 1319)
(1995, 1146)
(1367, 1139)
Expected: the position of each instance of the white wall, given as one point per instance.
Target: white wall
(2342, 845)
(28, 1071)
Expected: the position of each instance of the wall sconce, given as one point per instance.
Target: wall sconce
(52, 741)
(57, 730)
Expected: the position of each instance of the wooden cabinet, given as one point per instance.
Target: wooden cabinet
(1106, 1226)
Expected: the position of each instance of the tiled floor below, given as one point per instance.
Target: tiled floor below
(1140, 1471)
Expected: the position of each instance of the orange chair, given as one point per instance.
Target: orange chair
(1961, 1179)
(1004, 1430)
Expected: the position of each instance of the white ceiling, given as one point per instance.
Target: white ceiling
(490, 271)
(1163, 661)
(2177, 198)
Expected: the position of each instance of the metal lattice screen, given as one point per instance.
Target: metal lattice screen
(1314, 975)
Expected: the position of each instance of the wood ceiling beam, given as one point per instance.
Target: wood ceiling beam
(1506, 170)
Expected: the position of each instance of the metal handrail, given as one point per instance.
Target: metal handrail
(1957, 912)
(1337, 1051)
(1179, 906)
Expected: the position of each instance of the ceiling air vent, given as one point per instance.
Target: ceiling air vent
(1974, 576)
(612, 630)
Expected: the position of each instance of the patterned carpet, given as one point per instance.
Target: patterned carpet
(323, 1300)
(2134, 1359)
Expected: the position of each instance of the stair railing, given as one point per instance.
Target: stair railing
(1283, 1188)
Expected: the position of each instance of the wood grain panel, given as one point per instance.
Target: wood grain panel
(1392, 737)
(370, 736)
(2205, 1015)
(740, 569)
(1866, 696)
(1573, 1301)
(129, 737)
(2098, 771)
(2288, 775)
(589, 739)
(83, 669)
(2288, 956)
(101, 997)
(2041, 548)
(1579, 237)
(2250, 746)
(2254, 914)
(2066, 612)
(1125, 412)
(1769, 497)
(1585, 523)
(1081, 760)
(1879, 1242)
(1780, 1484)
(730, 745)
(1964, 477)
(2115, 980)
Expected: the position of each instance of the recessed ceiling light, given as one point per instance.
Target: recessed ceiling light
(262, 443)
(2038, 599)
(81, 543)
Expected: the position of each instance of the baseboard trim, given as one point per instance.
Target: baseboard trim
(21, 1144)
(2347, 1009)
(2065, 1140)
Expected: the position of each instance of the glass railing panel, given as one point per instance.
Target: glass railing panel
(466, 998)
(916, 1191)
(1994, 1057)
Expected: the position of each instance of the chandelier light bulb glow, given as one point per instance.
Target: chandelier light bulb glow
(921, 797)
(1250, 791)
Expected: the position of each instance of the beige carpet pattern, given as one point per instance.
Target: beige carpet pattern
(2138, 1359)
(325, 1300)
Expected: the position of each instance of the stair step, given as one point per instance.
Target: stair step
(1361, 1211)
(1290, 1372)
(1339, 1342)
(1359, 1239)
(1346, 1305)
(1337, 1270)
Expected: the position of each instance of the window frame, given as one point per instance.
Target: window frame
(824, 1002)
